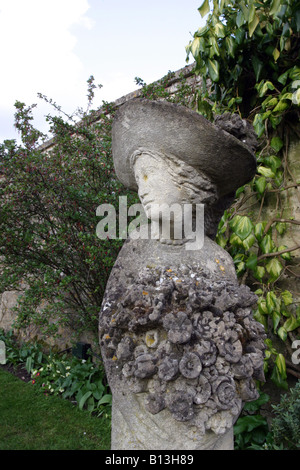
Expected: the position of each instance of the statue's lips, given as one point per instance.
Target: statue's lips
(175, 130)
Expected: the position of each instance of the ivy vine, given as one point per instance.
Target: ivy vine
(248, 57)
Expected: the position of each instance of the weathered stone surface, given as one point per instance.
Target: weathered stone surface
(183, 133)
(204, 367)
(179, 343)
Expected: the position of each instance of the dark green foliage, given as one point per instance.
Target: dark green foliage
(48, 202)
(286, 424)
(248, 56)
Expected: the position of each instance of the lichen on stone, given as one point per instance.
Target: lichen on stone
(192, 347)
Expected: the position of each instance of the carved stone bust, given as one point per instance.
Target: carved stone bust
(180, 346)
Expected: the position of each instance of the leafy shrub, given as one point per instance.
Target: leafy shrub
(48, 201)
(286, 424)
(247, 54)
(251, 431)
(27, 354)
(76, 379)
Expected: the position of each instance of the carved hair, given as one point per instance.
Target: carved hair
(197, 185)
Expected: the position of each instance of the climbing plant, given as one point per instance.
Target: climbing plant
(248, 57)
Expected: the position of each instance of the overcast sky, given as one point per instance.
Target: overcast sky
(53, 47)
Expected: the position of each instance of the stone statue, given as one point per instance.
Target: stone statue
(179, 343)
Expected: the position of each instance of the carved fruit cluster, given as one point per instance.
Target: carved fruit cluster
(188, 343)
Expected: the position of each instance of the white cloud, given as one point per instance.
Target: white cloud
(37, 51)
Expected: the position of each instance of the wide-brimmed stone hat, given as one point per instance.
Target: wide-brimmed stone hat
(168, 128)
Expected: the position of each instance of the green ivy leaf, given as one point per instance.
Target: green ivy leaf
(259, 272)
(280, 363)
(286, 256)
(282, 333)
(275, 7)
(249, 241)
(276, 317)
(267, 244)
(204, 8)
(266, 172)
(287, 297)
(271, 301)
(260, 184)
(213, 68)
(262, 306)
(291, 323)
(281, 106)
(274, 268)
(276, 143)
(235, 240)
(278, 378)
(259, 230)
(240, 19)
(242, 226)
(252, 261)
(274, 162)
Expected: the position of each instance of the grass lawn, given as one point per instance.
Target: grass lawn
(30, 420)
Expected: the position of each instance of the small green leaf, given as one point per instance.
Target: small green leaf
(259, 272)
(276, 319)
(281, 227)
(83, 399)
(252, 261)
(287, 297)
(274, 162)
(259, 230)
(271, 301)
(281, 106)
(280, 362)
(213, 68)
(262, 306)
(249, 241)
(219, 30)
(266, 172)
(276, 143)
(278, 379)
(195, 46)
(282, 333)
(276, 54)
(235, 240)
(106, 399)
(204, 8)
(240, 19)
(291, 323)
(242, 226)
(260, 184)
(286, 256)
(267, 244)
(283, 78)
(253, 24)
(274, 268)
(275, 7)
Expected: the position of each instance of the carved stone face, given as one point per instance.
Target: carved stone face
(155, 185)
